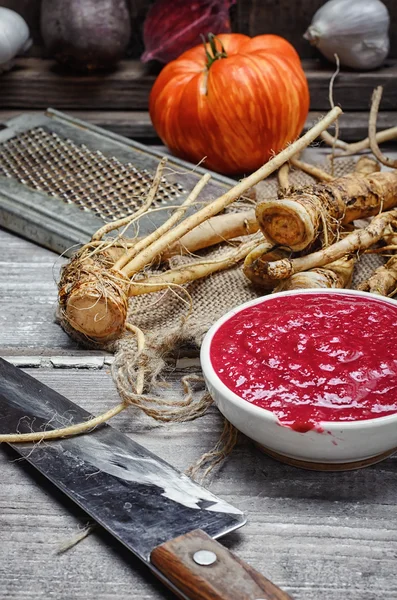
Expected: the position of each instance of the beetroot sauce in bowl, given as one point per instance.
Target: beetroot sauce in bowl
(311, 357)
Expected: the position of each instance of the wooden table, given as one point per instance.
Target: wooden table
(325, 536)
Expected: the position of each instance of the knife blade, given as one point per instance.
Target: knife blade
(167, 520)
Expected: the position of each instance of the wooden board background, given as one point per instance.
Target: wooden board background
(289, 18)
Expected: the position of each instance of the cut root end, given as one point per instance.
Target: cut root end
(286, 223)
(95, 314)
(94, 297)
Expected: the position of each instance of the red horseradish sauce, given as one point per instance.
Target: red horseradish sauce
(312, 357)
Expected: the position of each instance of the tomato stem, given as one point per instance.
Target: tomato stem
(212, 54)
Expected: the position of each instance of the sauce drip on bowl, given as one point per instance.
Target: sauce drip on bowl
(312, 357)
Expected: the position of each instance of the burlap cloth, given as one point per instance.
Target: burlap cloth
(163, 318)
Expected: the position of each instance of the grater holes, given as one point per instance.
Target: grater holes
(44, 161)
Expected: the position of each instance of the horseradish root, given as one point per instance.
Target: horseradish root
(93, 294)
(383, 280)
(190, 272)
(214, 231)
(376, 98)
(256, 262)
(297, 220)
(283, 179)
(358, 241)
(374, 138)
(335, 275)
(93, 297)
(230, 196)
(165, 227)
(389, 239)
(367, 165)
(387, 135)
(312, 170)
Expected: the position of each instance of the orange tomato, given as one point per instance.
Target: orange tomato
(236, 102)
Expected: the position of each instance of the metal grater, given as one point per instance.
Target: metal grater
(61, 179)
(43, 161)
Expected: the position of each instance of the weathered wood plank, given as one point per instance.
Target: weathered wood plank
(49, 85)
(28, 296)
(352, 90)
(137, 124)
(327, 535)
(129, 86)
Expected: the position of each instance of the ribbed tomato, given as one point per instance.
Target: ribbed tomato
(236, 102)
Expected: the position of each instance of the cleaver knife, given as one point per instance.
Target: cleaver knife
(167, 520)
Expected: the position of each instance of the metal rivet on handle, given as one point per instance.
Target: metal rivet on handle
(205, 557)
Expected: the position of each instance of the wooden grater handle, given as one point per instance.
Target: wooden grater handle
(203, 569)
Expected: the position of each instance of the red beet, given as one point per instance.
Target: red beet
(86, 35)
(173, 26)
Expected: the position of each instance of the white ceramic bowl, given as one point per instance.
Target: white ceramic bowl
(353, 443)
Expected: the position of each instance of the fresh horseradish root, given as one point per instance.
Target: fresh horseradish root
(298, 219)
(334, 275)
(313, 357)
(319, 224)
(374, 138)
(383, 280)
(253, 264)
(94, 290)
(214, 231)
(367, 165)
(355, 242)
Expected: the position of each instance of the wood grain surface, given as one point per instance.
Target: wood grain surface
(316, 535)
(28, 297)
(128, 87)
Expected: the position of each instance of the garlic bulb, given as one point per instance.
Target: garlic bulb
(14, 37)
(355, 30)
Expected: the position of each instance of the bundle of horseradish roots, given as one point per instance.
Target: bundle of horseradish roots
(304, 238)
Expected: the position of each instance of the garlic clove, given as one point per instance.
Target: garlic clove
(356, 31)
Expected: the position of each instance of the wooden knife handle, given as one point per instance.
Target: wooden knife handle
(203, 569)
